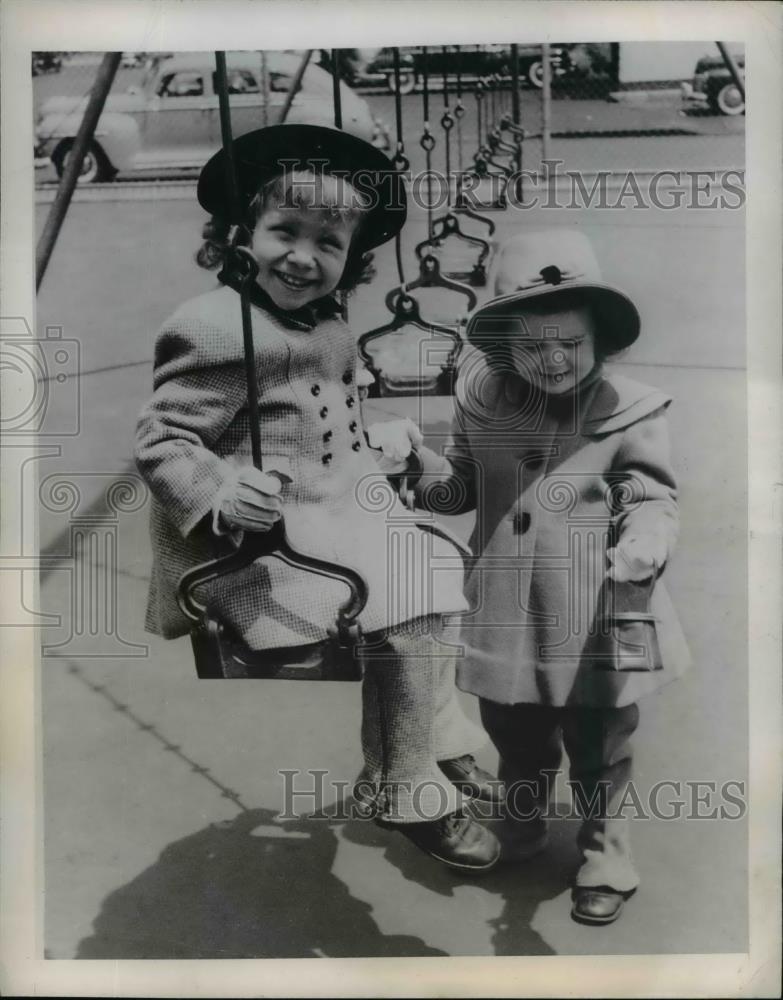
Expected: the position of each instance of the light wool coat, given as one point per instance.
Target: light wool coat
(195, 431)
(552, 484)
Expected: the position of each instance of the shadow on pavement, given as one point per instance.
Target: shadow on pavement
(253, 887)
(523, 887)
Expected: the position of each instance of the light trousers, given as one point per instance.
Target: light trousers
(411, 719)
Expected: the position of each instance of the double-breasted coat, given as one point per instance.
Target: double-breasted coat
(554, 483)
(195, 431)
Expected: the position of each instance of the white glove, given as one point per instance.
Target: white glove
(396, 439)
(636, 557)
(250, 501)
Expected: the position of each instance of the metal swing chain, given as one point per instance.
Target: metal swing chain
(459, 112)
(242, 257)
(427, 141)
(447, 123)
(400, 160)
(338, 123)
(338, 108)
(479, 95)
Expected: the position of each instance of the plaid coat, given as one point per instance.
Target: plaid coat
(553, 487)
(339, 506)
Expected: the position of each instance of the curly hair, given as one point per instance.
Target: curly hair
(215, 250)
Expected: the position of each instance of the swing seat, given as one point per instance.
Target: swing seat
(476, 277)
(411, 356)
(441, 384)
(220, 655)
(401, 367)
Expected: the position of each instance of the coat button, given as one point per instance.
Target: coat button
(350, 401)
(347, 376)
(324, 411)
(326, 459)
(315, 389)
(356, 445)
(521, 522)
(352, 426)
(327, 437)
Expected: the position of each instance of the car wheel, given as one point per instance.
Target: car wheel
(96, 167)
(407, 83)
(535, 74)
(729, 101)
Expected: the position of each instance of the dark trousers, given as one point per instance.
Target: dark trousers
(530, 740)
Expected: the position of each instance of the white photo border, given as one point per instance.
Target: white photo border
(147, 25)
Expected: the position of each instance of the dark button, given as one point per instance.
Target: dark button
(347, 376)
(324, 411)
(356, 445)
(327, 437)
(352, 426)
(315, 389)
(326, 459)
(521, 522)
(350, 401)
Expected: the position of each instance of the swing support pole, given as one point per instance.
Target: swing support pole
(516, 118)
(731, 66)
(295, 84)
(100, 91)
(546, 101)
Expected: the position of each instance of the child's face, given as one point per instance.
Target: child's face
(558, 348)
(301, 242)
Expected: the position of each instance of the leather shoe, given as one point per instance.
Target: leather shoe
(597, 905)
(465, 774)
(456, 839)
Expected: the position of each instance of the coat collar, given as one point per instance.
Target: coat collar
(607, 402)
(306, 318)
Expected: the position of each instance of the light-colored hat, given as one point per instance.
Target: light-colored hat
(544, 265)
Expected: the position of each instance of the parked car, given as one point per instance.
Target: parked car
(46, 62)
(380, 70)
(171, 119)
(713, 86)
(472, 61)
(131, 60)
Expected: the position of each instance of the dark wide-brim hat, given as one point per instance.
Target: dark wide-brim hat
(539, 267)
(268, 152)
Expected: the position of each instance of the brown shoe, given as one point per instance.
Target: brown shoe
(465, 774)
(599, 905)
(455, 839)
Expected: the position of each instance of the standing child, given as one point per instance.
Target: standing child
(568, 469)
(310, 231)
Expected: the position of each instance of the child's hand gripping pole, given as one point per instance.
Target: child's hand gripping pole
(250, 500)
